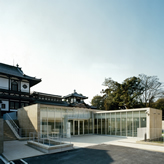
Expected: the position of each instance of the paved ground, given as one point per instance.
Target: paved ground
(99, 154)
(18, 149)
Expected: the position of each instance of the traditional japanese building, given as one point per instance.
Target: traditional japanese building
(15, 88)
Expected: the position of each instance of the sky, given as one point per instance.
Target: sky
(76, 44)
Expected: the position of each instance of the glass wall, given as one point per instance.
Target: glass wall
(135, 123)
(108, 123)
(129, 123)
(54, 121)
(118, 130)
(103, 123)
(86, 126)
(90, 126)
(113, 127)
(123, 123)
(99, 123)
(143, 118)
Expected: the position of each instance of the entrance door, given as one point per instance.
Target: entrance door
(81, 127)
(76, 127)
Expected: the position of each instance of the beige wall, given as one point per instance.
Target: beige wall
(29, 117)
(154, 123)
(162, 125)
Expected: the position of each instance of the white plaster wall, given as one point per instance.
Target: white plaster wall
(4, 83)
(6, 104)
(23, 89)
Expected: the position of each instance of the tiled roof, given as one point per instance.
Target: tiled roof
(17, 72)
(75, 94)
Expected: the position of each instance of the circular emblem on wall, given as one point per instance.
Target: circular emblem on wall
(24, 86)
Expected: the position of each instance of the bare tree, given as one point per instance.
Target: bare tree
(153, 89)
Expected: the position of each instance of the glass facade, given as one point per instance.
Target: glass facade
(55, 121)
(119, 123)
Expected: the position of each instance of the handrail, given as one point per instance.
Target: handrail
(12, 121)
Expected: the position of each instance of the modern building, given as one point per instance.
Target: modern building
(50, 120)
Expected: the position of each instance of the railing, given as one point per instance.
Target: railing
(13, 124)
(49, 139)
(20, 133)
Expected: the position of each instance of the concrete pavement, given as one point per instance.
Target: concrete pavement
(18, 149)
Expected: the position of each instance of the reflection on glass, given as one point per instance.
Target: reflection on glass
(123, 123)
(129, 123)
(117, 123)
(90, 126)
(86, 126)
(95, 125)
(99, 126)
(81, 127)
(112, 123)
(135, 123)
(143, 118)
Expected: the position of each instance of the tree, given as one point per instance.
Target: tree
(159, 104)
(153, 90)
(97, 101)
(125, 94)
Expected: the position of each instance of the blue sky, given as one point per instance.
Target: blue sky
(76, 44)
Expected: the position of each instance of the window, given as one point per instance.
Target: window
(3, 106)
(14, 86)
(14, 105)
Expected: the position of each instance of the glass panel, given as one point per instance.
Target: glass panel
(95, 126)
(123, 123)
(117, 123)
(99, 126)
(103, 123)
(129, 123)
(76, 127)
(112, 123)
(86, 126)
(58, 122)
(71, 126)
(43, 122)
(90, 126)
(81, 127)
(108, 123)
(135, 122)
(50, 127)
(143, 118)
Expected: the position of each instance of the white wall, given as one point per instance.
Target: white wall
(25, 89)
(4, 83)
(6, 104)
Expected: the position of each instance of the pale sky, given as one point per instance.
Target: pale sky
(76, 44)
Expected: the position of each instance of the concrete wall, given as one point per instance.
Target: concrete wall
(1, 136)
(163, 125)
(28, 118)
(154, 123)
